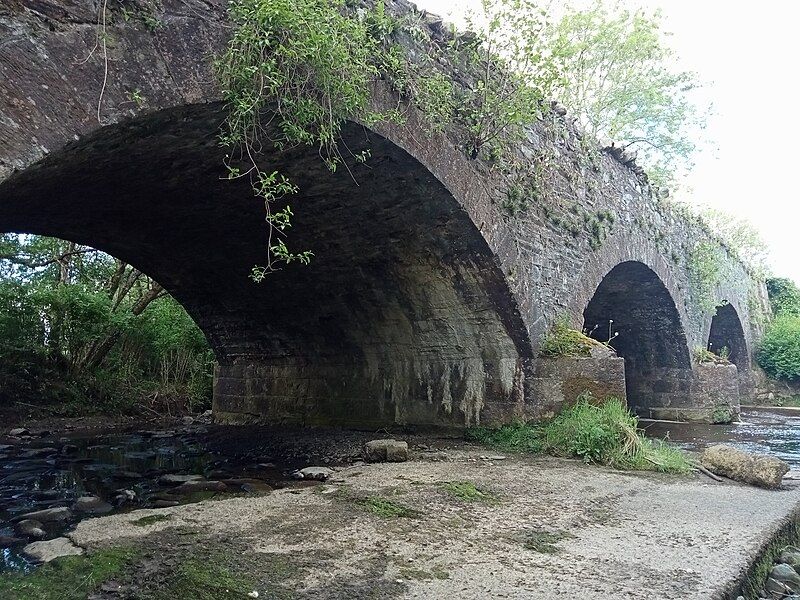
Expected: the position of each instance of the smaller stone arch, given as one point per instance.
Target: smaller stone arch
(727, 337)
(634, 312)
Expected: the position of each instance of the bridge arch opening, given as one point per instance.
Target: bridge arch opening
(635, 313)
(404, 314)
(726, 337)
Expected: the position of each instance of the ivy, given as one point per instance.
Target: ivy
(293, 72)
(705, 273)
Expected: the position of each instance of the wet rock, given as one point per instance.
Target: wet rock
(126, 475)
(315, 473)
(5, 447)
(7, 540)
(30, 528)
(92, 505)
(200, 486)
(124, 497)
(38, 452)
(49, 515)
(69, 449)
(165, 503)
(172, 479)
(51, 549)
(19, 432)
(386, 451)
(755, 469)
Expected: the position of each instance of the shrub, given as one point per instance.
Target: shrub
(779, 353)
(604, 434)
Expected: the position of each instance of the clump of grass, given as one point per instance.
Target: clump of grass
(562, 340)
(150, 519)
(205, 580)
(516, 437)
(703, 356)
(468, 492)
(604, 434)
(544, 541)
(67, 578)
(383, 507)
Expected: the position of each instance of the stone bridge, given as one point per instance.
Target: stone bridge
(426, 301)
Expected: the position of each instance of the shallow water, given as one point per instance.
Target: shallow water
(47, 472)
(774, 431)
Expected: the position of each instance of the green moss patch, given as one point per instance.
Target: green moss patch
(468, 492)
(383, 507)
(545, 541)
(150, 519)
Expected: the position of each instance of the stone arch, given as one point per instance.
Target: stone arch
(727, 332)
(634, 311)
(403, 316)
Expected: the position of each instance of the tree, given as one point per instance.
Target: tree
(740, 237)
(620, 81)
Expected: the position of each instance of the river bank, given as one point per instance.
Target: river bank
(456, 520)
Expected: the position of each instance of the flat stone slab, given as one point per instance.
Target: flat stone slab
(51, 549)
(557, 529)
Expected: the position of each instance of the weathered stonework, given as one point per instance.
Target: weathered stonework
(425, 302)
(557, 382)
(711, 396)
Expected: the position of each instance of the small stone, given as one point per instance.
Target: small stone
(51, 549)
(48, 515)
(187, 420)
(19, 432)
(253, 594)
(200, 486)
(165, 503)
(92, 505)
(316, 473)
(388, 450)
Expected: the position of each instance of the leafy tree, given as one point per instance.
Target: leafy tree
(784, 296)
(76, 323)
(620, 80)
(779, 352)
(740, 237)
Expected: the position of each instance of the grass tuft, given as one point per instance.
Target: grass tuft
(383, 507)
(468, 492)
(544, 542)
(150, 519)
(562, 340)
(604, 434)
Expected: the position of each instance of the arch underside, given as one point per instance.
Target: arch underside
(726, 337)
(403, 315)
(634, 310)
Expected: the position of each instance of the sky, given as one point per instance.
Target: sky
(747, 54)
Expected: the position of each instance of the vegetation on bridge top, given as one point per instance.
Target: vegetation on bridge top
(779, 352)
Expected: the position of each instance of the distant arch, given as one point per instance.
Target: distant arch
(727, 338)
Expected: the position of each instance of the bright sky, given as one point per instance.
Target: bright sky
(749, 55)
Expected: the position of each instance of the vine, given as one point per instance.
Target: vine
(705, 273)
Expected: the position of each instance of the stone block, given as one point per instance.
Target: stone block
(385, 451)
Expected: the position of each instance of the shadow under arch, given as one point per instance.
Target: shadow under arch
(634, 311)
(403, 316)
(727, 336)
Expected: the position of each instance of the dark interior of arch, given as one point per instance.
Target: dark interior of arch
(649, 335)
(727, 332)
(403, 315)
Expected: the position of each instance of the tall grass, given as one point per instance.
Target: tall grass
(605, 434)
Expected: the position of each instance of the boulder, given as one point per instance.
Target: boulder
(790, 556)
(385, 451)
(49, 515)
(92, 505)
(19, 432)
(7, 540)
(30, 528)
(755, 469)
(316, 473)
(51, 549)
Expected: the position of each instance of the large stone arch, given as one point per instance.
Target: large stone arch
(403, 315)
(634, 311)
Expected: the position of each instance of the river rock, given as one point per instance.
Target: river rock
(30, 528)
(172, 479)
(385, 451)
(315, 473)
(165, 503)
(92, 505)
(784, 580)
(7, 540)
(48, 515)
(19, 432)
(51, 549)
(755, 469)
(200, 486)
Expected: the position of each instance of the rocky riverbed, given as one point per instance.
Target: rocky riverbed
(456, 520)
